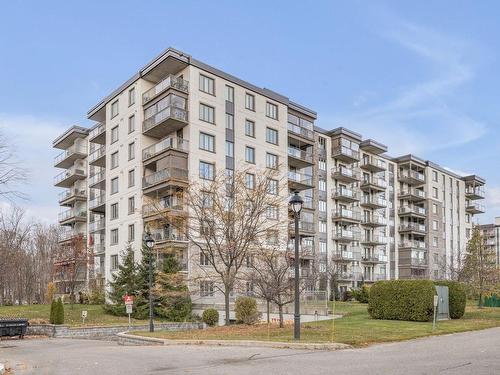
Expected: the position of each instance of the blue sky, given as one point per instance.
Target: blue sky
(421, 77)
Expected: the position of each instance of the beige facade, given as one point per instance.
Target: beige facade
(491, 238)
(366, 217)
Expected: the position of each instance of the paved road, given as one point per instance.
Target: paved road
(467, 353)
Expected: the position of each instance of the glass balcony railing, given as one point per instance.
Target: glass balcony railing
(418, 262)
(345, 193)
(171, 112)
(413, 192)
(98, 130)
(411, 174)
(346, 234)
(70, 193)
(97, 225)
(163, 175)
(373, 162)
(299, 130)
(344, 172)
(474, 206)
(97, 201)
(412, 244)
(412, 210)
(73, 171)
(374, 200)
(300, 178)
(97, 177)
(412, 227)
(344, 213)
(97, 153)
(475, 191)
(72, 150)
(345, 151)
(300, 154)
(164, 204)
(165, 144)
(374, 219)
(161, 235)
(71, 214)
(378, 182)
(69, 234)
(374, 239)
(167, 83)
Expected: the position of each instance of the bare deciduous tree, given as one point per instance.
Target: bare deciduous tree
(11, 172)
(71, 265)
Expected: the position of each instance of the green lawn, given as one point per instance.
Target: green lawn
(72, 314)
(355, 328)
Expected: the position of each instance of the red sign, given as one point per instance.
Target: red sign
(129, 300)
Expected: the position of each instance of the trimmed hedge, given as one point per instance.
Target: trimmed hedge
(210, 317)
(402, 300)
(457, 297)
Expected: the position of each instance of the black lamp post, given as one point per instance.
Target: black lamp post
(150, 242)
(296, 205)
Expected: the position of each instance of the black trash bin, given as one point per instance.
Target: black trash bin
(10, 327)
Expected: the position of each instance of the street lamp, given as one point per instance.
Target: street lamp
(150, 242)
(296, 205)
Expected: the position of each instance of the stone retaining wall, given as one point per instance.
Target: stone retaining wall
(107, 332)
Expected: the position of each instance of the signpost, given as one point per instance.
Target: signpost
(129, 303)
(84, 315)
(436, 299)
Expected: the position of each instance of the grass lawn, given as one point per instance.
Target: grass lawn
(72, 314)
(355, 328)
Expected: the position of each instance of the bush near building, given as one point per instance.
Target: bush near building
(411, 300)
(362, 294)
(246, 310)
(457, 293)
(210, 317)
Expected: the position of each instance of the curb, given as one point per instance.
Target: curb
(129, 339)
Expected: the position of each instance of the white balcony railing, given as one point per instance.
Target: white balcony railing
(165, 144)
(169, 82)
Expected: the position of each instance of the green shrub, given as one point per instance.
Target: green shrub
(59, 312)
(457, 297)
(362, 294)
(346, 296)
(53, 308)
(210, 317)
(246, 310)
(402, 300)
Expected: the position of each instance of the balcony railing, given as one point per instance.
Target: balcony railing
(70, 214)
(378, 182)
(411, 174)
(165, 144)
(99, 248)
(101, 128)
(308, 203)
(414, 192)
(475, 207)
(97, 201)
(300, 178)
(346, 255)
(97, 225)
(172, 112)
(171, 204)
(412, 244)
(345, 151)
(167, 83)
(346, 214)
(97, 177)
(418, 262)
(161, 235)
(374, 162)
(412, 227)
(477, 191)
(97, 153)
(374, 239)
(412, 210)
(374, 219)
(69, 234)
(299, 130)
(346, 234)
(374, 200)
(73, 171)
(70, 193)
(345, 193)
(163, 175)
(70, 151)
(300, 154)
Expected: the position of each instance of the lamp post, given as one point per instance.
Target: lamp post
(296, 205)
(150, 242)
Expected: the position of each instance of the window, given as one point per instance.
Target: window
(271, 161)
(250, 102)
(322, 165)
(434, 176)
(272, 212)
(250, 181)
(322, 206)
(207, 170)
(206, 288)
(434, 241)
(434, 225)
(131, 178)
(131, 151)
(207, 113)
(322, 226)
(229, 121)
(204, 260)
(114, 160)
(131, 205)
(114, 262)
(207, 142)
(272, 110)
(131, 124)
(114, 211)
(250, 128)
(207, 84)
(114, 185)
(230, 149)
(114, 134)
(322, 247)
(434, 192)
(434, 208)
(272, 187)
(114, 236)
(250, 154)
(230, 94)
(114, 108)
(467, 218)
(131, 96)
(272, 136)
(322, 185)
(131, 232)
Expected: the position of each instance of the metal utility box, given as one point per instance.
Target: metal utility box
(13, 327)
(443, 307)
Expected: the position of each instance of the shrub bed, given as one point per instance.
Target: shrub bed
(457, 297)
(402, 300)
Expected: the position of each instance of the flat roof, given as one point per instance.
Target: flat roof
(68, 137)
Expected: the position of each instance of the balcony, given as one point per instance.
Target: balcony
(303, 272)
(378, 184)
(345, 235)
(72, 216)
(98, 134)
(302, 132)
(306, 229)
(411, 177)
(308, 203)
(99, 249)
(164, 122)
(170, 207)
(70, 196)
(373, 201)
(412, 244)
(474, 192)
(373, 164)
(345, 216)
(474, 208)
(346, 276)
(374, 221)
(169, 237)
(98, 157)
(345, 195)
(374, 240)
(98, 181)
(412, 211)
(412, 228)
(299, 181)
(170, 82)
(345, 154)
(68, 235)
(164, 178)
(97, 226)
(98, 204)
(418, 262)
(69, 177)
(166, 144)
(345, 174)
(68, 157)
(299, 158)
(346, 256)
(412, 195)
(371, 259)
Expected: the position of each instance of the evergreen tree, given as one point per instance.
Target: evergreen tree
(59, 312)
(142, 295)
(171, 293)
(53, 307)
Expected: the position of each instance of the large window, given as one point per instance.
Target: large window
(114, 108)
(250, 128)
(229, 121)
(272, 212)
(206, 288)
(249, 101)
(131, 178)
(207, 113)
(114, 160)
(131, 124)
(272, 187)
(230, 94)
(272, 136)
(272, 110)
(207, 84)
(230, 149)
(131, 205)
(131, 96)
(114, 236)
(114, 211)
(250, 154)
(114, 262)
(207, 171)
(271, 161)
(114, 185)
(131, 232)
(131, 151)
(114, 134)
(250, 181)
(207, 142)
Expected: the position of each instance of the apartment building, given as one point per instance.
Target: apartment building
(367, 216)
(491, 237)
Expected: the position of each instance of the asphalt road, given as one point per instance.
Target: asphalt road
(466, 353)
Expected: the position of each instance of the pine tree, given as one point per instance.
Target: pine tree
(59, 312)
(141, 304)
(171, 293)
(53, 307)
